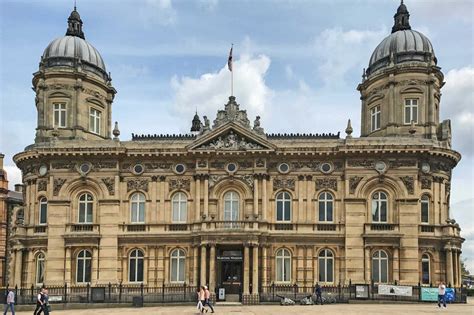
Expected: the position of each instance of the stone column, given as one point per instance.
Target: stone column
(264, 197)
(206, 196)
(264, 266)
(67, 264)
(449, 266)
(255, 267)
(197, 207)
(297, 214)
(309, 198)
(95, 265)
(455, 268)
(246, 270)
(212, 269)
(255, 196)
(367, 265)
(396, 265)
(195, 265)
(203, 265)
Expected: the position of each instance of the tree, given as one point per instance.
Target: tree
(464, 270)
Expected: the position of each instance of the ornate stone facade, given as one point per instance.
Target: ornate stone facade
(230, 192)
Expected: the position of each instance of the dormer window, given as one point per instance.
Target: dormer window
(59, 115)
(94, 120)
(411, 111)
(375, 118)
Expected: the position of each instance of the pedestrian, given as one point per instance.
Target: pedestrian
(10, 302)
(318, 292)
(202, 299)
(441, 294)
(39, 302)
(199, 303)
(207, 301)
(46, 302)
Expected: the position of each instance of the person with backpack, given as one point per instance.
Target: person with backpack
(10, 303)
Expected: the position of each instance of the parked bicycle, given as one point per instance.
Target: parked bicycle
(285, 300)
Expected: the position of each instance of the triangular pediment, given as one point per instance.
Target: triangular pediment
(231, 137)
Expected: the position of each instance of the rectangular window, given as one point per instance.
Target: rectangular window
(322, 270)
(59, 115)
(43, 213)
(411, 111)
(94, 120)
(375, 118)
(424, 212)
(425, 271)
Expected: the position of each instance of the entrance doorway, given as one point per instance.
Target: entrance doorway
(230, 272)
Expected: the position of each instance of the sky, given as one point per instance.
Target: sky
(297, 64)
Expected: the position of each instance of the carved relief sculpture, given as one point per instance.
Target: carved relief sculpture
(58, 183)
(353, 183)
(180, 183)
(109, 182)
(137, 184)
(326, 183)
(283, 183)
(408, 181)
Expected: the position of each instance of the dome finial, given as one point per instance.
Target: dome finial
(74, 24)
(401, 19)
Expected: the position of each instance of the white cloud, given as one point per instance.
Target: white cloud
(457, 104)
(159, 12)
(13, 175)
(210, 91)
(341, 51)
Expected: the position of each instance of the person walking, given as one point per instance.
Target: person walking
(318, 292)
(46, 302)
(207, 300)
(39, 302)
(202, 299)
(441, 294)
(199, 303)
(10, 302)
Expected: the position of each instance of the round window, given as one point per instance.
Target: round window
(43, 169)
(326, 167)
(380, 166)
(231, 167)
(179, 168)
(425, 167)
(85, 168)
(283, 168)
(138, 169)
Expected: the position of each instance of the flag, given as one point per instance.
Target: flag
(229, 61)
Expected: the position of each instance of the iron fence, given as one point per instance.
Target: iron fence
(182, 293)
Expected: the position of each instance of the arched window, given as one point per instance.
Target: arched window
(43, 211)
(326, 266)
(425, 209)
(283, 265)
(40, 259)
(137, 208)
(178, 262)
(379, 207)
(380, 267)
(326, 206)
(283, 207)
(231, 206)
(86, 204)
(425, 269)
(135, 263)
(84, 266)
(180, 202)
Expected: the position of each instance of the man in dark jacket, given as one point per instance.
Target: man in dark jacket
(318, 292)
(40, 299)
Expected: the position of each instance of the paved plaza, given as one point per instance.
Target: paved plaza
(356, 309)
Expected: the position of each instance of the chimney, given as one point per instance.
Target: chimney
(19, 188)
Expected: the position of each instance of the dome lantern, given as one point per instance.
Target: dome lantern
(401, 19)
(75, 25)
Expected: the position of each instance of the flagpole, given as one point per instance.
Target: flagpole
(232, 75)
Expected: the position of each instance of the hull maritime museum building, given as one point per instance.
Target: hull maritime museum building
(229, 205)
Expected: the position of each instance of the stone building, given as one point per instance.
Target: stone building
(229, 205)
(8, 201)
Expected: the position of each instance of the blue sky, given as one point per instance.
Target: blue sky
(297, 64)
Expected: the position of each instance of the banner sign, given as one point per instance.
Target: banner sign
(431, 294)
(385, 289)
(229, 258)
(362, 291)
